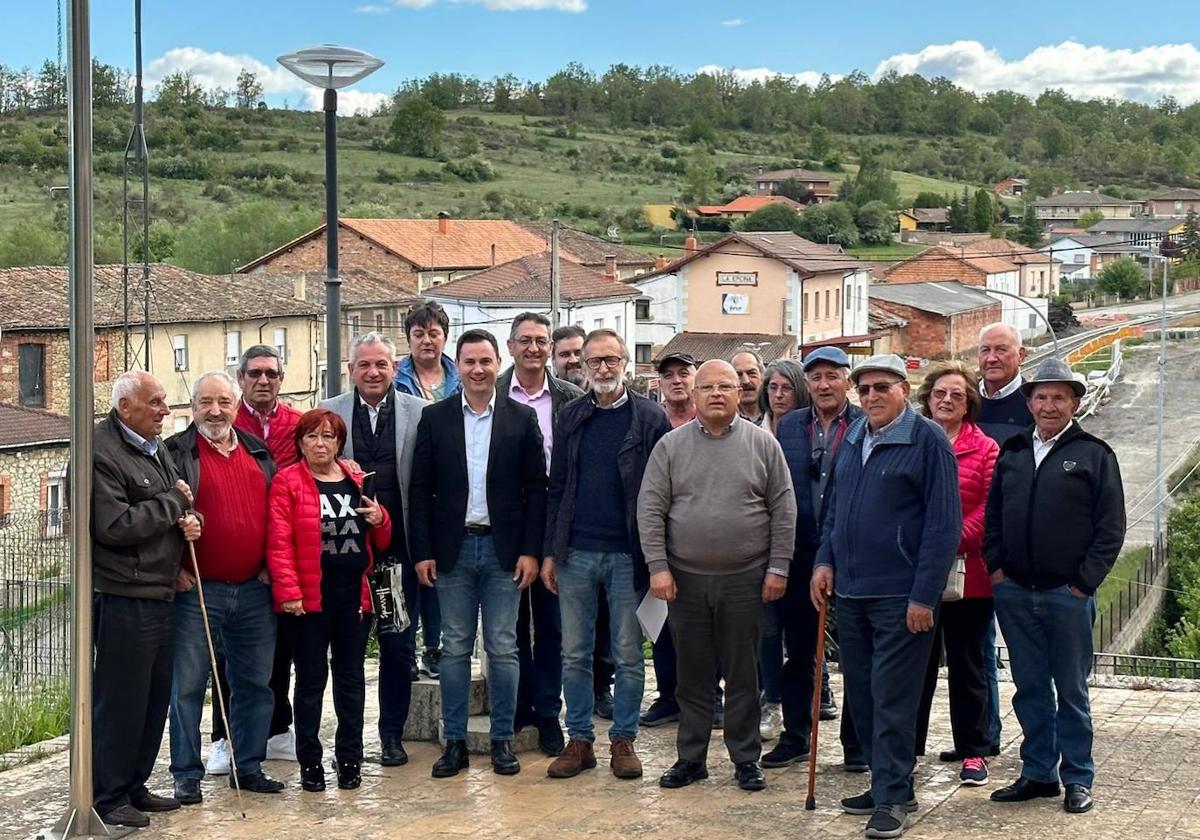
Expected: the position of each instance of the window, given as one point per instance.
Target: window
(31, 373)
(837, 298)
(378, 322)
(355, 325)
(828, 311)
(5, 501)
(598, 324)
(181, 422)
(1079, 258)
(641, 309)
(849, 298)
(180, 351)
(56, 488)
(642, 353)
(805, 310)
(233, 347)
(617, 324)
(281, 344)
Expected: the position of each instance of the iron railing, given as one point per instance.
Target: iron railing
(1111, 621)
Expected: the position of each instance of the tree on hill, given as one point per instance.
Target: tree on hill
(417, 128)
(871, 183)
(819, 142)
(1123, 278)
(32, 242)
(928, 199)
(1029, 231)
(216, 243)
(959, 217)
(777, 216)
(179, 90)
(1189, 239)
(794, 189)
(831, 223)
(983, 213)
(876, 223)
(247, 90)
(1091, 217)
(700, 180)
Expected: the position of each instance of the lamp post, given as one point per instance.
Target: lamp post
(332, 68)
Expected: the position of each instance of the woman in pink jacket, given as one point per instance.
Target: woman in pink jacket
(950, 397)
(321, 538)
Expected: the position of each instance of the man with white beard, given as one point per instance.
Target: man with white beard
(229, 471)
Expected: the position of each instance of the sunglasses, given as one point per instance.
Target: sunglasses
(261, 372)
(877, 387)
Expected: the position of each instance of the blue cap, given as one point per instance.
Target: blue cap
(835, 356)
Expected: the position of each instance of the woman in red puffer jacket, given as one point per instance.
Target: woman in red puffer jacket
(321, 537)
(950, 397)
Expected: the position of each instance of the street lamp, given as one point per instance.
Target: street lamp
(331, 67)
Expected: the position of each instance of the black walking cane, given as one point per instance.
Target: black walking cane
(810, 804)
(212, 659)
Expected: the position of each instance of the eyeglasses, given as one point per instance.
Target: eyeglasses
(724, 388)
(780, 388)
(259, 373)
(611, 362)
(877, 387)
(940, 394)
(526, 341)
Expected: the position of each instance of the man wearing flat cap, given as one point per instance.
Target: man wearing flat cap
(892, 524)
(1055, 524)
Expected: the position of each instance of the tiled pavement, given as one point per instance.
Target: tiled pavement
(1148, 786)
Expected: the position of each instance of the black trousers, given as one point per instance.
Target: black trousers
(800, 621)
(715, 623)
(539, 653)
(397, 656)
(281, 682)
(962, 628)
(134, 642)
(336, 639)
(603, 667)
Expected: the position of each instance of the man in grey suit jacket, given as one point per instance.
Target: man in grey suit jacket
(382, 428)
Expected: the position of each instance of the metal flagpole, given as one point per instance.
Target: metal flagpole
(81, 820)
(1162, 386)
(555, 301)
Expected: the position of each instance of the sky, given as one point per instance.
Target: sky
(1090, 49)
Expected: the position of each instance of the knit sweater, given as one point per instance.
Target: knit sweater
(232, 498)
(600, 493)
(1001, 419)
(717, 505)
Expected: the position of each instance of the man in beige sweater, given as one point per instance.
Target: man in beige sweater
(717, 520)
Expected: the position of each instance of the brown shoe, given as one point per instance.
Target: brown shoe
(576, 757)
(625, 763)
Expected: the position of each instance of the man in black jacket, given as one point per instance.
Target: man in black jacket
(1055, 524)
(140, 520)
(539, 626)
(478, 514)
(592, 549)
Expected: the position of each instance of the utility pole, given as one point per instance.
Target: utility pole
(554, 278)
(1160, 496)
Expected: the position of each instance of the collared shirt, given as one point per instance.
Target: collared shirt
(147, 446)
(725, 431)
(543, 403)
(477, 430)
(821, 442)
(872, 438)
(1041, 448)
(373, 410)
(264, 420)
(1006, 391)
(620, 401)
(216, 448)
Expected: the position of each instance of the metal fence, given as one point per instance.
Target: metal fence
(35, 622)
(1111, 621)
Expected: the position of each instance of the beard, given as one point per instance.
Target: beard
(575, 376)
(216, 434)
(606, 386)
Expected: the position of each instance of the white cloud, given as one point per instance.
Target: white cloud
(350, 101)
(503, 5)
(732, 22)
(371, 9)
(746, 75)
(218, 69)
(1144, 74)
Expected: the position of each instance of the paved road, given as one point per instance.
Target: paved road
(1175, 303)
(1127, 422)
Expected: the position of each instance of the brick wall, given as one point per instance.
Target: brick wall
(933, 336)
(354, 252)
(935, 267)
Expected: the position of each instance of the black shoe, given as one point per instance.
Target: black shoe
(550, 736)
(749, 776)
(1078, 799)
(855, 766)
(661, 711)
(789, 750)
(1022, 790)
(603, 706)
(348, 774)
(952, 756)
(149, 803)
(454, 758)
(504, 761)
(431, 663)
(829, 706)
(682, 773)
(886, 822)
(126, 815)
(258, 782)
(312, 778)
(864, 804)
(392, 752)
(187, 792)
(414, 673)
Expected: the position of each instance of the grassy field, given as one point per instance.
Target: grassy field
(1125, 569)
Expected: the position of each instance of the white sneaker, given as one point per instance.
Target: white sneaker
(771, 723)
(218, 759)
(282, 747)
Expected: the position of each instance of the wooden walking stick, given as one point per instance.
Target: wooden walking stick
(212, 660)
(810, 804)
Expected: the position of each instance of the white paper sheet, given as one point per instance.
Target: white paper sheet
(652, 615)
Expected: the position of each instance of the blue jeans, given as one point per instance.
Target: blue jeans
(478, 584)
(770, 652)
(989, 666)
(581, 579)
(1049, 636)
(243, 628)
(883, 662)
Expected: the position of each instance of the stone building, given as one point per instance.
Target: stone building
(942, 319)
(33, 459)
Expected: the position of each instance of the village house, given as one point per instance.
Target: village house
(491, 299)
(1143, 232)
(1011, 187)
(1173, 204)
(419, 254)
(34, 446)
(922, 218)
(942, 319)
(819, 186)
(1066, 208)
(198, 323)
(765, 283)
(1039, 272)
(744, 205)
(1082, 255)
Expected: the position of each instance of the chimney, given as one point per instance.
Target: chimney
(443, 222)
(690, 246)
(299, 286)
(610, 267)
(661, 262)
(493, 255)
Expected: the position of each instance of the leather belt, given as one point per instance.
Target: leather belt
(477, 530)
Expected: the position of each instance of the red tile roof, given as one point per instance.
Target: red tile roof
(528, 280)
(747, 204)
(22, 427)
(807, 257)
(981, 262)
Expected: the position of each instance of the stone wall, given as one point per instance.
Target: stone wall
(24, 475)
(56, 366)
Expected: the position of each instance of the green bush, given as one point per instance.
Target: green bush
(471, 169)
(44, 713)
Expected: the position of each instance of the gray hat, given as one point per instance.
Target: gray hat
(1054, 370)
(835, 356)
(887, 362)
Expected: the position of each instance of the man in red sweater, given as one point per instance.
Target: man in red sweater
(229, 471)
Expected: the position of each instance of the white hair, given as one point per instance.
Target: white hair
(127, 385)
(220, 376)
(371, 338)
(1000, 325)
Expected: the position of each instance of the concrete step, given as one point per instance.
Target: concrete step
(425, 712)
(479, 739)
